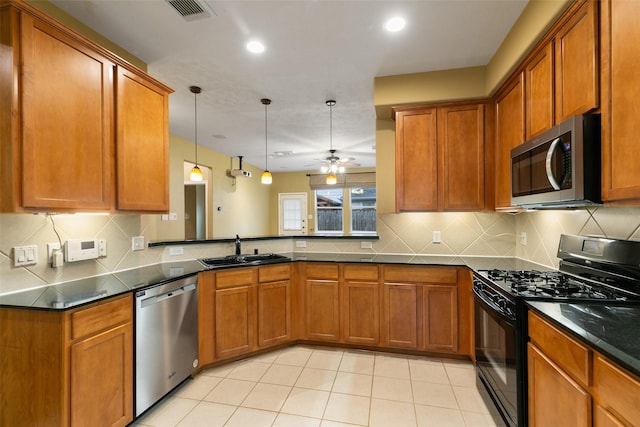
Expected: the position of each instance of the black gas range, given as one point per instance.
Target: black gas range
(591, 270)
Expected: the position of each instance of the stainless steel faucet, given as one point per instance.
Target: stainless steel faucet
(238, 247)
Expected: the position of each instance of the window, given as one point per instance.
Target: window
(329, 210)
(363, 210)
(359, 212)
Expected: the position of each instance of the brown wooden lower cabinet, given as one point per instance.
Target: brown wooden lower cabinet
(361, 308)
(323, 310)
(274, 313)
(555, 399)
(570, 384)
(67, 368)
(234, 321)
(440, 307)
(400, 319)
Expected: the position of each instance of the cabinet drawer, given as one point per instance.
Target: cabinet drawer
(361, 272)
(100, 317)
(420, 274)
(568, 353)
(321, 271)
(236, 277)
(274, 273)
(616, 390)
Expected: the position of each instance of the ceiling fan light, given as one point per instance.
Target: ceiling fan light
(266, 178)
(196, 174)
(324, 169)
(332, 179)
(341, 169)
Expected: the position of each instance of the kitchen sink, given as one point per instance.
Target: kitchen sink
(257, 259)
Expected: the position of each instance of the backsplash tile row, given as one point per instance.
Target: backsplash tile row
(465, 234)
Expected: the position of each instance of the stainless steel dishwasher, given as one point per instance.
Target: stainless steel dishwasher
(166, 338)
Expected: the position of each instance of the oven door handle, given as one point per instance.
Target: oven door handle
(494, 308)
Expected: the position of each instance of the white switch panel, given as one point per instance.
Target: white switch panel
(25, 255)
(366, 245)
(523, 238)
(301, 244)
(437, 237)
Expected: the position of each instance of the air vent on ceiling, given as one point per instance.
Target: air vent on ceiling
(191, 10)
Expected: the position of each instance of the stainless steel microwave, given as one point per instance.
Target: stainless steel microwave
(560, 168)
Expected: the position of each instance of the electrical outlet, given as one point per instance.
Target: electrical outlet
(173, 216)
(137, 243)
(176, 250)
(301, 244)
(366, 245)
(436, 237)
(51, 247)
(523, 238)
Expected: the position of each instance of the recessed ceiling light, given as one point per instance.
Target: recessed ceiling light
(395, 24)
(255, 46)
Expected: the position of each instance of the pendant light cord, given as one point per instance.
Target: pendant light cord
(266, 150)
(195, 114)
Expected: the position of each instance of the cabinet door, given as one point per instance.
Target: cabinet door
(416, 161)
(361, 312)
(440, 306)
(235, 321)
(274, 313)
(206, 317)
(67, 138)
(509, 134)
(604, 418)
(539, 92)
(461, 158)
(142, 144)
(102, 379)
(620, 100)
(323, 310)
(400, 321)
(576, 49)
(554, 398)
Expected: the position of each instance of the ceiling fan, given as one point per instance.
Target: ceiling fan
(336, 164)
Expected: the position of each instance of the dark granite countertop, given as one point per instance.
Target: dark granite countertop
(611, 329)
(74, 293)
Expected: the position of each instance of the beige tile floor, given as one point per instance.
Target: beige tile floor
(305, 386)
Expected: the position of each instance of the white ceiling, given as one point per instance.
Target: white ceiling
(315, 50)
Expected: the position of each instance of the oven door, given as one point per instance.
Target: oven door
(495, 346)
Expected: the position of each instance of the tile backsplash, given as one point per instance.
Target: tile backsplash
(464, 233)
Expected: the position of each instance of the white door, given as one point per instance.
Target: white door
(292, 213)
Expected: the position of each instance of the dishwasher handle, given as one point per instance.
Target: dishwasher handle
(167, 295)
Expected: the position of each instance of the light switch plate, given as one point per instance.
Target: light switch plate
(301, 244)
(176, 250)
(437, 237)
(25, 255)
(366, 245)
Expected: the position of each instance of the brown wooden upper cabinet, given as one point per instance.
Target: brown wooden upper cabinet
(539, 92)
(509, 134)
(620, 45)
(64, 126)
(576, 63)
(440, 158)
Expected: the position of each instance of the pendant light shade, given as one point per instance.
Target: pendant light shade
(332, 179)
(333, 167)
(266, 177)
(196, 173)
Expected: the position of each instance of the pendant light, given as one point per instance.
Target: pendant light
(333, 167)
(196, 173)
(266, 177)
